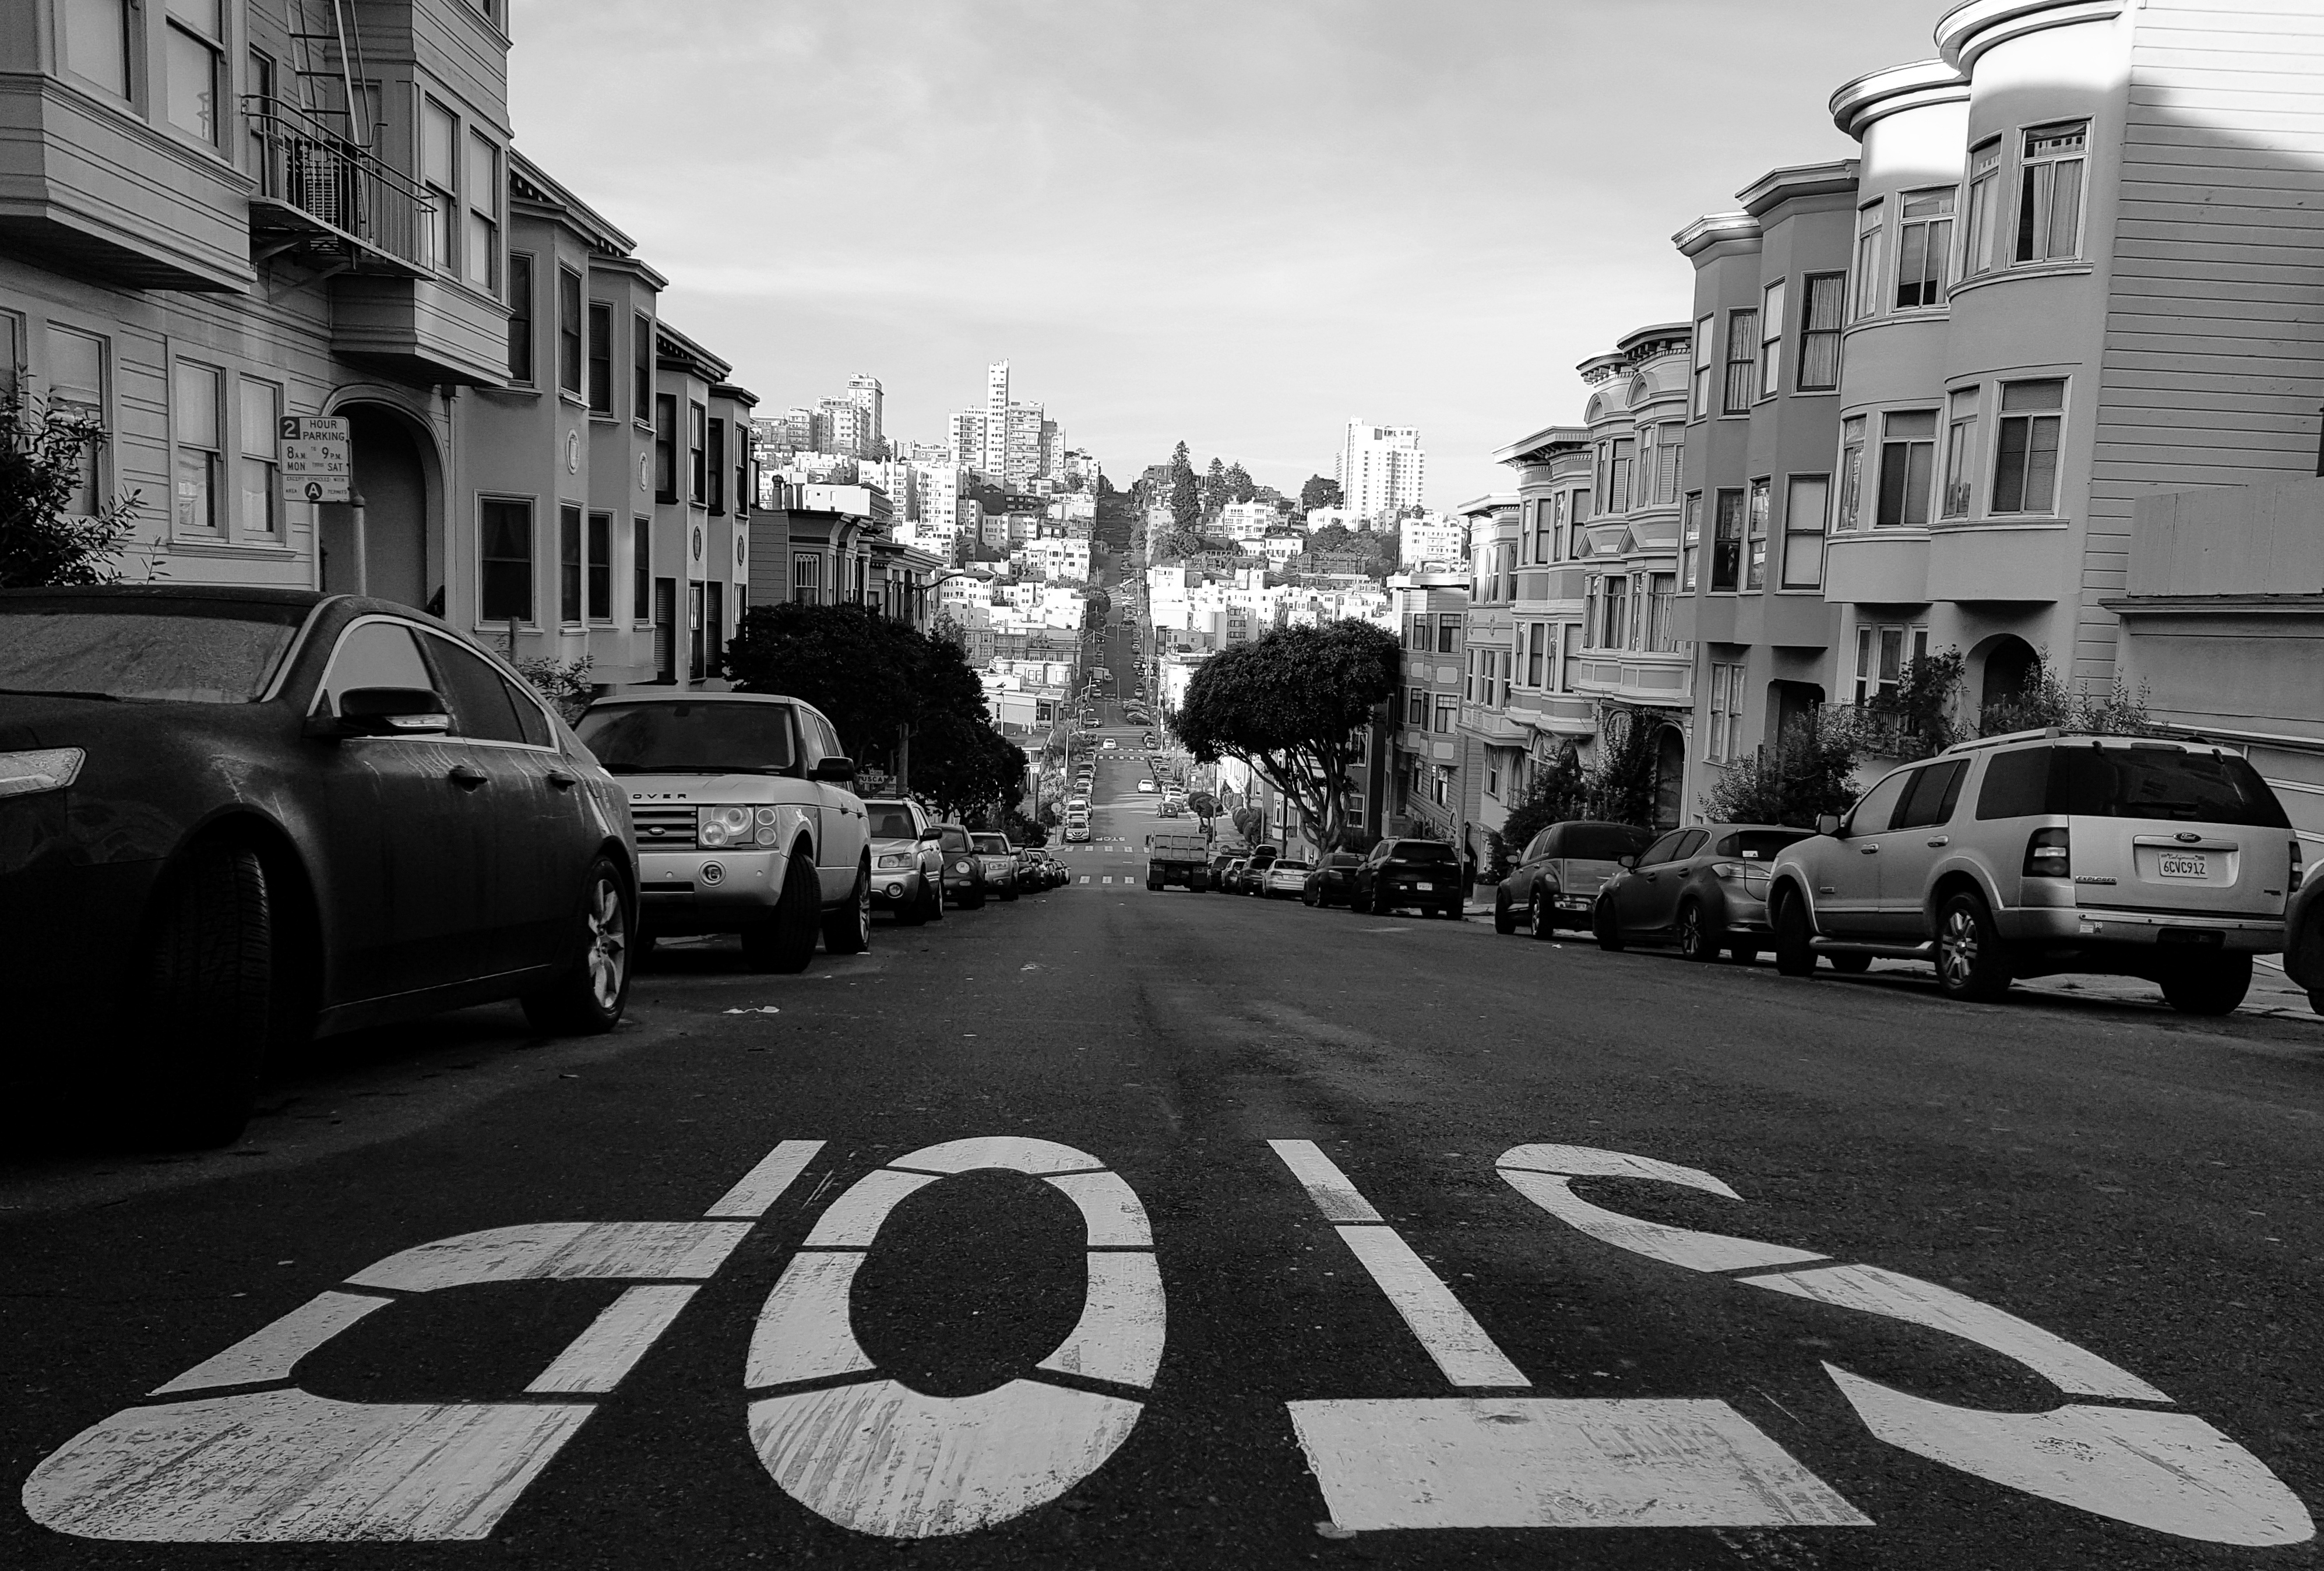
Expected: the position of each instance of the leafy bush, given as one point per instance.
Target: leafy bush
(43, 545)
(1621, 789)
(565, 684)
(1809, 771)
(2116, 711)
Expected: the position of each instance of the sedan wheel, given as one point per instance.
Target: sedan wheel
(205, 996)
(1607, 929)
(592, 986)
(1694, 941)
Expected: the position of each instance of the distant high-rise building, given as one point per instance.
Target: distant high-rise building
(1021, 460)
(996, 418)
(1380, 469)
(966, 439)
(869, 398)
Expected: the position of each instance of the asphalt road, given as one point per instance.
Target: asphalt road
(1458, 1349)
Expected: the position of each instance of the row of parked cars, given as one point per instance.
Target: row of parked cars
(236, 820)
(1401, 874)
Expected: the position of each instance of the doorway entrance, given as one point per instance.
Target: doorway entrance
(384, 552)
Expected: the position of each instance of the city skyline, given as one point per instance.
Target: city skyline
(1255, 326)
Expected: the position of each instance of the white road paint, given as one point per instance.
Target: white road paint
(1446, 1330)
(2169, 1472)
(594, 1362)
(1898, 1296)
(1538, 1462)
(286, 1465)
(1333, 1194)
(878, 1458)
(272, 1351)
(759, 1188)
(883, 1459)
(1679, 1246)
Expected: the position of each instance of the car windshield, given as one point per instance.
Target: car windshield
(1598, 842)
(1759, 844)
(689, 738)
(955, 839)
(186, 651)
(1427, 851)
(889, 820)
(990, 844)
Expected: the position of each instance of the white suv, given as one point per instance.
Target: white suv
(2043, 852)
(747, 820)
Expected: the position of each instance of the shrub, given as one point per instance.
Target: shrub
(565, 684)
(43, 544)
(1809, 771)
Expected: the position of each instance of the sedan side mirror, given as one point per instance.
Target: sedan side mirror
(1628, 864)
(1827, 823)
(932, 834)
(380, 712)
(834, 769)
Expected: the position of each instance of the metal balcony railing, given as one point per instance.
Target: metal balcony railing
(318, 188)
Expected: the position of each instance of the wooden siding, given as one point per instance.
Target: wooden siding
(2214, 351)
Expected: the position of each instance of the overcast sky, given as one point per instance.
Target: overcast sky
(1236, 222)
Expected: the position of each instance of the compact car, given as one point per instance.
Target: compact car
(1557, 876)
(1423, 875)
(748, 820)
(1332, 881)
(1703, 889)
(999, 860)
(233, 820)
(2046, 851)
(1284, 879)
(907, 861)
(963, 869)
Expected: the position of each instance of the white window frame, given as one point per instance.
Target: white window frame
(2041, 169)
(1771, 339)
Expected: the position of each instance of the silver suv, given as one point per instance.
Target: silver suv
(2043, 852)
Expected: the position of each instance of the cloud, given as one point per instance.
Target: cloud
(1238, 223)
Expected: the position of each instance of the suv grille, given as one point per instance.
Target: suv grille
(663, 828)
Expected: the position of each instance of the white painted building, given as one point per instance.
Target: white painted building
(1380, 469)
(1432, 539)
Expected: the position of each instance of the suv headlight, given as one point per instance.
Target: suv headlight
(50, 769)
(715, 826)
(895, 859)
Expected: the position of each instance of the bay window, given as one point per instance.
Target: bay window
(1819, 313)
(1771, 340)
(1807, 508)
(2050, 193)
(1868, 220)
(1755, 533)
(1908, 452)
(1984, 208)
(1852, 473)
(2026, 446)
(1960, 454)
(1742, 361)
(193, 51)
(1924, 243)
(1703, 348)
(1727, 541)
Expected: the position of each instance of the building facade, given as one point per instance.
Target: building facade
(1426, 796)
(1380, 471)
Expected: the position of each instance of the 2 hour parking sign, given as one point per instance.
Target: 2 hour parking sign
(318, 458)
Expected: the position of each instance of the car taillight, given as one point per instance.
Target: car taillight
(2049, 855)
(2298, 865)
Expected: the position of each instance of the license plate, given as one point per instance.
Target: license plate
(2184, 864)
(1425, 888)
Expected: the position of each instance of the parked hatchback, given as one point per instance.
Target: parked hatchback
(1422, 874)
(231, 819)
(1558, 874)
(1703, 889)
(963, 869)
(1332, 881)
(2040, 852)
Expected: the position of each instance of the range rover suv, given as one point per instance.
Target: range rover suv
(747, 821)
(2043, 852)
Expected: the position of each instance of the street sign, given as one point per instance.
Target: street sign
(318, 458)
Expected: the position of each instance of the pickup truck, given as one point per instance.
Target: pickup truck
(1176, 856)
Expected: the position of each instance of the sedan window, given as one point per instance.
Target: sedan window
(482, 707)
(1663, 850)
(185, 652)
(690, 738)
(376, 654)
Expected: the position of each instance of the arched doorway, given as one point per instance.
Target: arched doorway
(385, 552)
(2012, 671)
(1670, 777)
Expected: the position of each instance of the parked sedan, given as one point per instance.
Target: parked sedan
(1285, 879)
(1251, 879)
(907, 861)
(1703, 889)
(1559, 873)
(1332, 881)
(231, 819)
(1421, 874)
(964, 870)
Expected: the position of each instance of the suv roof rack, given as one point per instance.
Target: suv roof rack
(2049, 733)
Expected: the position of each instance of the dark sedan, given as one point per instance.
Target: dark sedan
(1703, 889)
(231, 819)
(1422, 874)
(964, 870)
(1332, 881)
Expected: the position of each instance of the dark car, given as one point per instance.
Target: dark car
(1703, 889)
(1422, 874)
(964, 870)
(1332, 881)
(2303, 937)
(1251, 877)
(1558, 874)
(231, 819)
(1222, 862)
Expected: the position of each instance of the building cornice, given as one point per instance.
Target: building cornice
(1974, 26)
(1895, 88)
(1543, 444)
(1795, 182)
(528, 182)
(1644, 343)
(1716, 229)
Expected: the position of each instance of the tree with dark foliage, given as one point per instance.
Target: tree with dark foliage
(43, 543)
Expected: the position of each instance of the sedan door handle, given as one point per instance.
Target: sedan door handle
(562, 780)
(1941, 840)
(1867, 850)
(466, 776)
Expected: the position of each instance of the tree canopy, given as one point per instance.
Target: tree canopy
(1321, 492)
(1291, 705)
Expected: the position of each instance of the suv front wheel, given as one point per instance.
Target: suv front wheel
(1970, 961)
(2213, 985)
